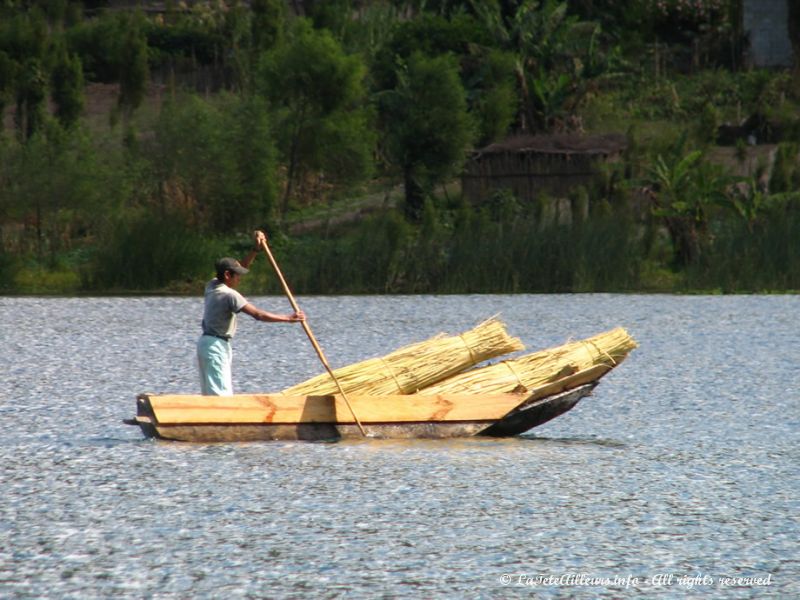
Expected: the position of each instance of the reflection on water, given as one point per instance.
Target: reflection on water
(683, 462)
(576, 441)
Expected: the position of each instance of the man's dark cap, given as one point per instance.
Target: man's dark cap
(230, 264)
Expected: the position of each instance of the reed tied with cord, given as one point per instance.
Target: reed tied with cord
(416, 366)
(545, 366)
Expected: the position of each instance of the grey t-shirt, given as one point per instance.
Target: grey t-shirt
(221, 306)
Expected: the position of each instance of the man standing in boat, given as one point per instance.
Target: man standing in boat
(222, 303)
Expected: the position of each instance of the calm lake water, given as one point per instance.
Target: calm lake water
(680, 475)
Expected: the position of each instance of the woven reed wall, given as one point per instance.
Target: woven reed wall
(529, 174)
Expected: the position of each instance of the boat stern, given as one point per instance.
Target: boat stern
(145, 417)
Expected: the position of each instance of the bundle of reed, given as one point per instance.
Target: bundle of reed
(536, 369)
(413, 367)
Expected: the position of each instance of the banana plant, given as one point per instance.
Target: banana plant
(549, 99)
(686, 188)
(674, 182)
(553, 58)
(751, 202)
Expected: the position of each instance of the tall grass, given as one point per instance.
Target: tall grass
(151, 252)
(473, 254)
(762, 258)
(523, 256)
(364, 260)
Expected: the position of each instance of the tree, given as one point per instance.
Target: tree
(55, 180)
(314, 88)
(133, 70)
(67, 88)
(8, 68)
(486, 73)
(494, 102)
(31, 96)
(214, 163)
(432, 35)
(267, 23)
(427, 126)
(252, 164)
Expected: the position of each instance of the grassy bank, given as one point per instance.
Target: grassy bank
(455, 250)
(137, 147)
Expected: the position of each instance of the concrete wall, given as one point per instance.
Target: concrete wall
(765, 21)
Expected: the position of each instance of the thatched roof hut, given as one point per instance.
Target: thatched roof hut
(532, 165)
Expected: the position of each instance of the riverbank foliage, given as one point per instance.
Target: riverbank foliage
(138, 145)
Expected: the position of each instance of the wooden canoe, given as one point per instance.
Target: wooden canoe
(253, 417)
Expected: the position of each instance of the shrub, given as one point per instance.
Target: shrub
(150, 251)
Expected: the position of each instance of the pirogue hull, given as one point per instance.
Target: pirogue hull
(525, 416)
(256, 417)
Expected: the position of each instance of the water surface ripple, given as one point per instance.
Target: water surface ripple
(679, 473)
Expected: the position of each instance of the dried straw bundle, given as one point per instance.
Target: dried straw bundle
(412, 367)
(541, 367)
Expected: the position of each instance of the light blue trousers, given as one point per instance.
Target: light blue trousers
(214, 357)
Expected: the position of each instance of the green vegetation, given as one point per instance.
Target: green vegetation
(228, 116)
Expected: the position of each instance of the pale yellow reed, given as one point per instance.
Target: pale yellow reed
(609, 348)
(413, 367)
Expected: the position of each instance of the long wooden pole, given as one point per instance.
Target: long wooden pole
(311, 335)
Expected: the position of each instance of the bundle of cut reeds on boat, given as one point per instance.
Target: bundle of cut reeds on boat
(539, 368)
(413, 367)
